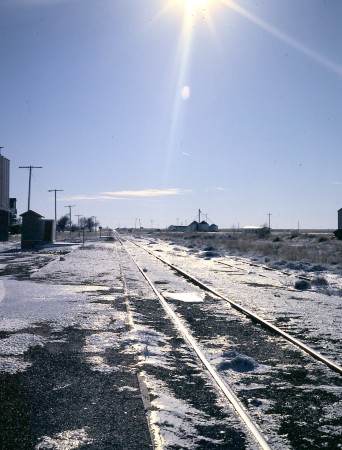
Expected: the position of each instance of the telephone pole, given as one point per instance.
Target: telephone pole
(55, 191)
(70, 206)
(29, 192)
(269, 220)
(78, 222)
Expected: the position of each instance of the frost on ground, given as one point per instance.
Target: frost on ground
(313, 315)
(174, 423)
(66, 440)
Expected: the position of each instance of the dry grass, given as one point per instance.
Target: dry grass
(313, 248)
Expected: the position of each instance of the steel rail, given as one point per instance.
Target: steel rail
(229, 394)
(318, 356)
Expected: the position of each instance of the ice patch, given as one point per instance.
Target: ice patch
(187, 297)
(66, 440)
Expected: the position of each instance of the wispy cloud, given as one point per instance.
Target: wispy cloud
(124, 195)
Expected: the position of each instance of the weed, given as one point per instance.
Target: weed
(302, 285)
(320, 281)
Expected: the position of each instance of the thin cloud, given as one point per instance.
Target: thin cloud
(126, 195)
(146, 193)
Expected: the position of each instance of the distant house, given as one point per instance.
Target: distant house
(251, 229)
(177, 228)
(258, 230)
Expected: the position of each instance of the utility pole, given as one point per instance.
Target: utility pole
(70, 206)
(55, 191)
(29, 192)
(269, 220)
(78, 223)
(199, 216)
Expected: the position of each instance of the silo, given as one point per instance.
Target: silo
(203, 226)
(213, 227)
(193, 226)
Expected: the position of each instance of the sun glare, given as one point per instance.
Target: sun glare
(195, 5)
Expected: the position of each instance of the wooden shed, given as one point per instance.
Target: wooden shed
(32, 229)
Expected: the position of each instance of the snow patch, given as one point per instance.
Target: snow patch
(66, 440)
(18, 344)
(187, 297)
(173, 422)
(12, 365)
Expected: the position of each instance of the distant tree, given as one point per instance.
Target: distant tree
(264, 232)
(62, 222)
(87, 223)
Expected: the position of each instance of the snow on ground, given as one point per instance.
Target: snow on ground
(78, 291)
(66, 440)
(313, 315)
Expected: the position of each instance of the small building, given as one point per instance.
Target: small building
(259, 231)
(177, 228)
(251, 229)
(32, 229)
(49, 231)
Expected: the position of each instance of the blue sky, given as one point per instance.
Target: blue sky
(152, 109)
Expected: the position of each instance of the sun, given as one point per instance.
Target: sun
(195, 5)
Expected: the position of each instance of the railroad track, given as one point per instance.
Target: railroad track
(227, 344)
(253, 316)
